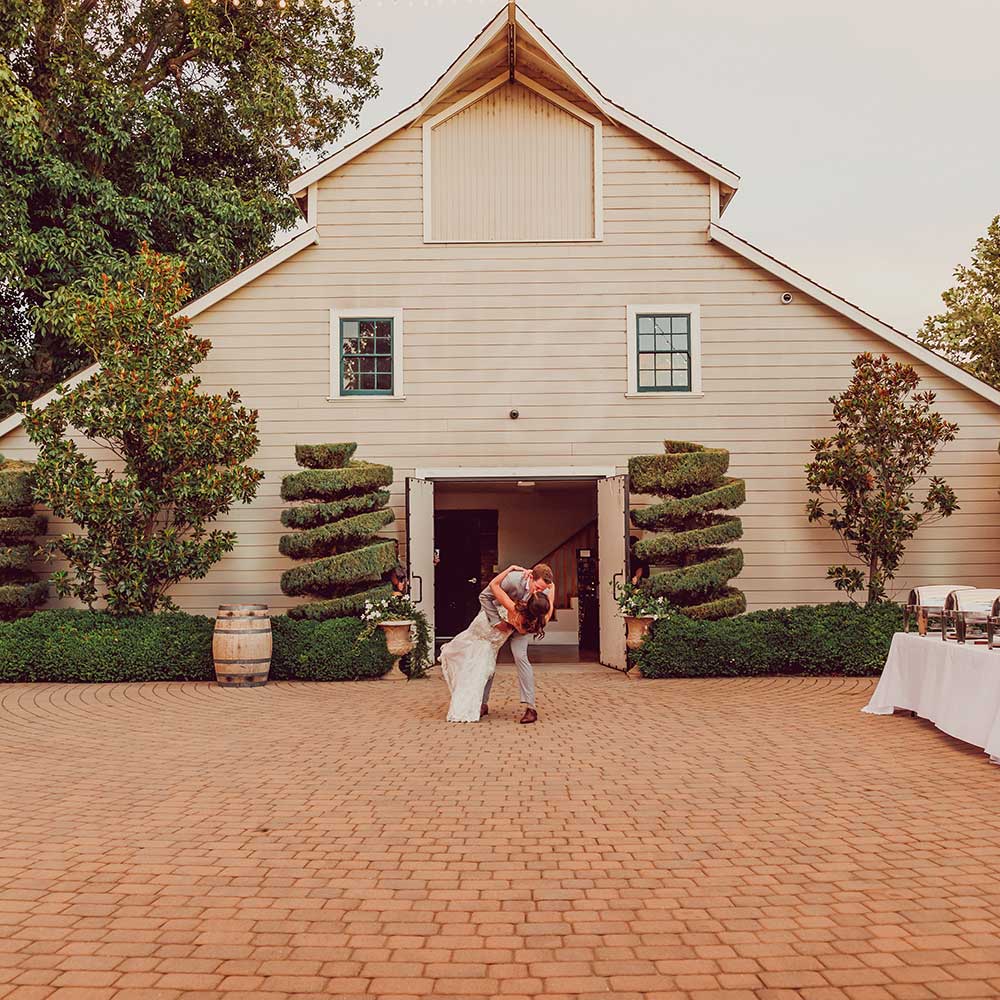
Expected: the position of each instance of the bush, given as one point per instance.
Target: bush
(823, 639)
(20, 589)
(331, 650)
(70, 646)
(687, 533)
(91, 646)
(338, 531)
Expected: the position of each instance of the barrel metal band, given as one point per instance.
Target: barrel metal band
(263, 659)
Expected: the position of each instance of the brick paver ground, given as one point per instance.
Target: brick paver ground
(750, 840)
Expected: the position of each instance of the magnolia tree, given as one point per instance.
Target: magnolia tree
(866, 477)
(968, 331)
(179, 452)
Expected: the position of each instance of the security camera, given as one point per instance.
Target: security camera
(786, 297)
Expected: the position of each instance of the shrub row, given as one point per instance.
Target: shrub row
(67, 646)
(844, 639)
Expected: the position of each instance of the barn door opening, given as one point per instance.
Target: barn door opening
(612, 551)
(420, 545)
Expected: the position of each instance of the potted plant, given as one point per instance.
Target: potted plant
(640, 609)
(407, 632)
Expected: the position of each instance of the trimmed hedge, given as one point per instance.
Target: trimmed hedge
(20, 590)
(328, 650)
(70, 646)
(686, 534)
(846, 639)
(339, 533)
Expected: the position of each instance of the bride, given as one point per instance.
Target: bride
(470, 659)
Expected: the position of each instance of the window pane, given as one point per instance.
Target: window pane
(366, 355)
(679, 361)
(681, 378)
(647, 343)
(662, 342)
(647, 379)
(662, 324)
(645, 324)
(662, 378)
(663, 362)
(680, 342)
(679, 324)
(647, 361)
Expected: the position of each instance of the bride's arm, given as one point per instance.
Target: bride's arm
(499, 594)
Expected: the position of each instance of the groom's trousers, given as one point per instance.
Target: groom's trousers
(525, 673)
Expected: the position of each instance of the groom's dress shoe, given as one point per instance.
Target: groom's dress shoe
(484, 711)
(530, 715)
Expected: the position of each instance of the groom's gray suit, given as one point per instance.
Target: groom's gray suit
(517, 586)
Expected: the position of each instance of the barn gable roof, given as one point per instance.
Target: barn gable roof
(518, 41)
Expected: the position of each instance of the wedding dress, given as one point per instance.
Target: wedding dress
(467, 663)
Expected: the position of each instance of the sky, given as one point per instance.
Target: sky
(864, 131)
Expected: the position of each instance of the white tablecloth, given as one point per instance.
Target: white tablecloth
(957, 687)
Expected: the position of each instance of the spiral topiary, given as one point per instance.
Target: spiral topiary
(337, 530)
(687, 537)
(20, 589)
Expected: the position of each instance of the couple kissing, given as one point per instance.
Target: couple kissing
(516, 604)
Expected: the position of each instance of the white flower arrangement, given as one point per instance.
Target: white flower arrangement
(398, 606)
(636, 602)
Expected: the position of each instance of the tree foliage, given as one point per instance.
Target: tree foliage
(179, 451)
(346, 508)
(864, 476)
(968, 331)
(131, 121)
(688, 536)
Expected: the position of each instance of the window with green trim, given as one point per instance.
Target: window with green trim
(366, 357)
(663, 352)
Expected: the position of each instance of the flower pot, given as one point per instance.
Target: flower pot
(398, 638)
(637, 630)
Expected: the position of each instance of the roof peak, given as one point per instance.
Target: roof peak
(513, 17)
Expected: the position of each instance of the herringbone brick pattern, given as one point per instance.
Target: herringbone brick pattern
(746, 840)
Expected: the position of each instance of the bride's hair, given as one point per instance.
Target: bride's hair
(533, 612)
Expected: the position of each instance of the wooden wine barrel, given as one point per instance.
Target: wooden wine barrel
(241, 645)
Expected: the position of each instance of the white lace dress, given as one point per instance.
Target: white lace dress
(467, 663)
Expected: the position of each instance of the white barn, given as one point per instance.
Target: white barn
(516, 242)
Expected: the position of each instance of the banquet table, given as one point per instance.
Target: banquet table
(954, 685)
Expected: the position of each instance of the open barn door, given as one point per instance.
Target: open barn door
(612, 554)
(420, 545)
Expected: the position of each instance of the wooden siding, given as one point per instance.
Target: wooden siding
(541, 328)
(512, 166)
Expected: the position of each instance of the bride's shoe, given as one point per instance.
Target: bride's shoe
(530, 715)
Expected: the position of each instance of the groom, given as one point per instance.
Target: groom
(519, 584)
